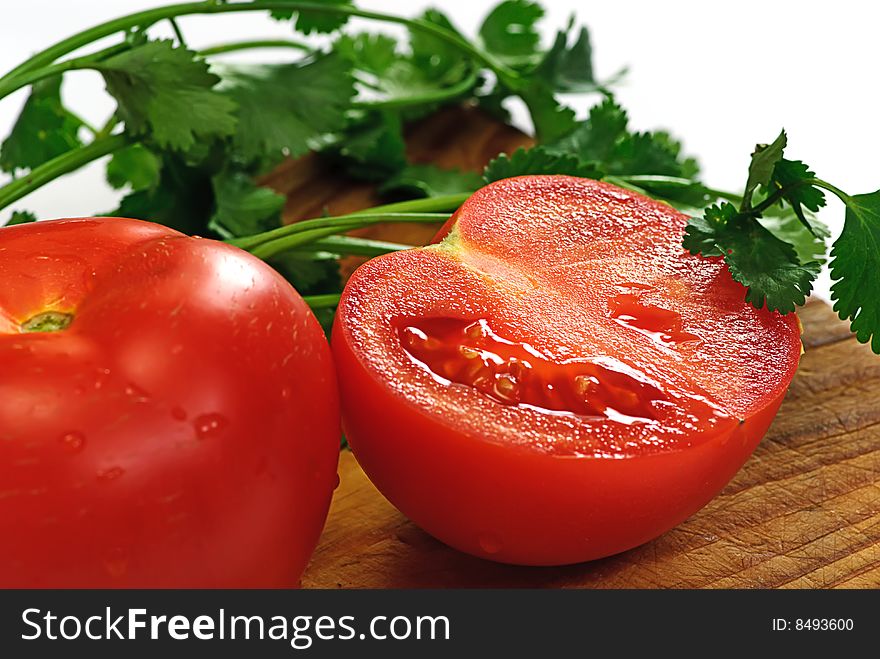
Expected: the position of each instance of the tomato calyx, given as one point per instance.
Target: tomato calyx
(47, 321)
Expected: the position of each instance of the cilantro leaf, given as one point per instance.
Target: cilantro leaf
(371, 52)
(792, 177)
(282, 109)
(569, 68)
(135, 166)
(43, 130)
(855, 262)
(508, 31)
(767, 266)
(431, 181)
(538, 160)
(21, 217)
(604, 137)
(183, 199)
(808, 242)
(243, 208)
(701, 236)
(433, 56)
(764, 160)
(314, 21)
(677, 191)
(552, 120)
(166, 93)
(374, 150)
(310, 273)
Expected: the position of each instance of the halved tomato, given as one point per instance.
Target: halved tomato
(556, 380)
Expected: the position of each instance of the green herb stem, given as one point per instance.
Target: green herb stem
(442, 204)
(235, 46)
(60, 165)
(17, 77)
(9, 84)
(327, 301)
(438, 96)
(294, 236)
(356, 246)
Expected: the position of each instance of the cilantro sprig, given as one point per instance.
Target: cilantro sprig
(191, 134)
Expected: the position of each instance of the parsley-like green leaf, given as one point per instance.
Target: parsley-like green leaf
(855, 264)
(767, 266)
(594, 138)
(135, 166)
(308, 21)
(183, 199)
(431, 181)
(21, 217)
(283, 109)
(370, 52)
(43, 130)
(764, 159)
(551, 119)
(808, 241)
(375, 150)
(508, 31)
(538, 160)
(569, 68)
(166, 93)
(243, 208)
(702, 234)
(605, 138)
(309, 273)
(792, 177)
(677, 191)
(433, 56)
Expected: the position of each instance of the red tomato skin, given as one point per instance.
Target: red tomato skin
(499, 496)
(181, 432)
(516, 506)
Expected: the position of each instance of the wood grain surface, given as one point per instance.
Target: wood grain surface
(804, 512)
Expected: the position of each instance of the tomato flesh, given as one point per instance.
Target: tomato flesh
(556, 374)
(168, 412)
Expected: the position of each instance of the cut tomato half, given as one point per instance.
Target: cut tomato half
(556, 380)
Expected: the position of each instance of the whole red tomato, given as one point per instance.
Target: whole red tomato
(557, 380)
(168, 412)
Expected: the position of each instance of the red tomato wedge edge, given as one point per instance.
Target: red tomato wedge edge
(556, 380)
(180, 427)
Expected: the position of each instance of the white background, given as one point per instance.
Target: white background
(720, 75)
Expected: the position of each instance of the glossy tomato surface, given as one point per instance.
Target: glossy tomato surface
(556, 380)
(181, 431)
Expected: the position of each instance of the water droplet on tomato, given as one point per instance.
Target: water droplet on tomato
(116, 563)
(286, 392)
(178, 413)
(210, 426)
(489, 543)
(74, 442)
(137, 394)
(176, 349)
(110, 474)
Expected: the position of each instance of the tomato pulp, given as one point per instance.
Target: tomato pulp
(168, 412)
(556, 380)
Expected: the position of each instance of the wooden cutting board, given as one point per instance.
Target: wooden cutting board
(804, 512)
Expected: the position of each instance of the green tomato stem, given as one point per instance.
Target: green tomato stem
(60, 165)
